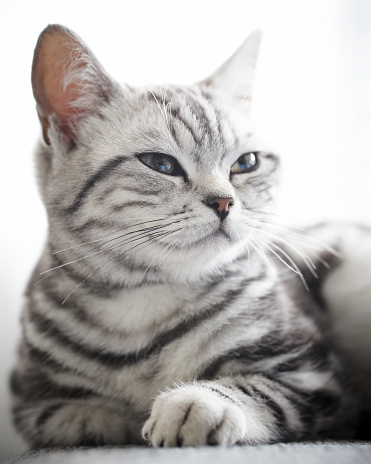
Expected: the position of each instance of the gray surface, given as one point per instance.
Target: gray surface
(310, 453)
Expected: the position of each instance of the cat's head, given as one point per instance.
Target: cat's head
(157, 181)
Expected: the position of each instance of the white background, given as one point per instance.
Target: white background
(312, 102)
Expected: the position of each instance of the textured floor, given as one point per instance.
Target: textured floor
(303, 453)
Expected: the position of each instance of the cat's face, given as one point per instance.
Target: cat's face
(170, 178)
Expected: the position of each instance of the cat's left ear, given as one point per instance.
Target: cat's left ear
(68, 82)
(235, 77)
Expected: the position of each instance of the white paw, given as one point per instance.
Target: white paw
(192, 415)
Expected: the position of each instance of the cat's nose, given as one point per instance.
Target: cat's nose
(221, 206)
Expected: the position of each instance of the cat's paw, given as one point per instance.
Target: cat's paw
(194, 416)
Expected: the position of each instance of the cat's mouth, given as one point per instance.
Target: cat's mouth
(219, 233)
(223, 232)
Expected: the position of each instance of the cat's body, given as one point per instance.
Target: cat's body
(160, 282)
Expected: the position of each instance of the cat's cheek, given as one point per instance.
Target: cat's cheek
(194, 416)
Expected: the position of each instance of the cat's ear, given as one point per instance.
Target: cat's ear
(235, 77)
(67, 80)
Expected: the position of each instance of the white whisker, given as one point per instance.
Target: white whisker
(158, 104)
(77, 286)
(294, 268)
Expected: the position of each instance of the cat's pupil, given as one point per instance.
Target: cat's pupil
(162, 164)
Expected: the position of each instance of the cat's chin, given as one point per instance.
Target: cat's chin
(217, 236)
(206, 260)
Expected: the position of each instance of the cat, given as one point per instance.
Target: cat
(154, 315)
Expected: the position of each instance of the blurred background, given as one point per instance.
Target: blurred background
(312, 103)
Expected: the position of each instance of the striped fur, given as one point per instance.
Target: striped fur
(152, 317)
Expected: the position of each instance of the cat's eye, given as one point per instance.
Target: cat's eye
(161, 163)
(245, 163)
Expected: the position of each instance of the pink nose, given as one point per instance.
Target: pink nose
(221, 206)
(223, 203)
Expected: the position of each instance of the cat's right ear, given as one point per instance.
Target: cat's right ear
(68, 82)
(236, 76)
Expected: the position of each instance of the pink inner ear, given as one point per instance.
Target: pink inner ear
(61, 102)
(58, 53)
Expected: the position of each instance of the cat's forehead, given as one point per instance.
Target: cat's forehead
(188, 120)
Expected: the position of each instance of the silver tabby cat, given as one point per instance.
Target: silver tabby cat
(154, 314)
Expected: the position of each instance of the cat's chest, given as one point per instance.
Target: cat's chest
(170, 334)
(145, 309)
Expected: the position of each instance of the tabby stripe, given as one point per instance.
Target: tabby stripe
(53, 298)
(96, 286)
(105, 171)
(267, 348)
(16, 383)
(312, 354)
(187, 126)
(37, 385)
(254, 393)
(117, 361)
(44, 358)
(174, 135)
(272, 404)
(234, 141)
(130, 204)
(199, 113)
(311, 401)
(136, 189)
(48, 414)
(272, 157)
(220, 393)
(175, 113)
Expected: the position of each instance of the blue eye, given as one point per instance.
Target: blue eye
(159, 162)
(245, 163)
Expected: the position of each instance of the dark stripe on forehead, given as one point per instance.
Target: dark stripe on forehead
(200, 113)
(105, 171)
(222, 121)
(175, 112)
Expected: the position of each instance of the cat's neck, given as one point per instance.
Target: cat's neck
(132, 307)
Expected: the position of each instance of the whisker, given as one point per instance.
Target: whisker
(145, 243)
(103, 238)
(158, 104)
(163, 251)
(39, 281)
(323, 262)
(141, 233)
(164, 106)
(71, 262)
(311, 240)
(148, 241)
(260, 250)
(294, 268)
(306, 259)
(77, 286)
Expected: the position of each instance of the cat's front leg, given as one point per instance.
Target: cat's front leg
(84, 422)
(249, 409)
(193, 415)
(208, 413)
